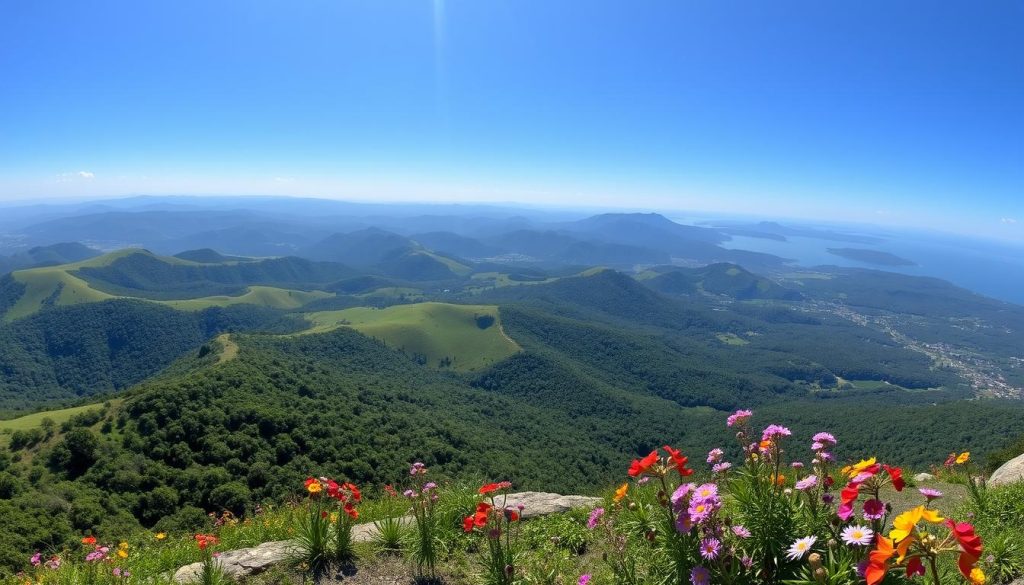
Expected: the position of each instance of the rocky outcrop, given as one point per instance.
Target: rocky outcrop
(251, 561)
(922, 477)
(1010, 472)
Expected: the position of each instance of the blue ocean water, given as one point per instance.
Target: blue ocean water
(991, 268)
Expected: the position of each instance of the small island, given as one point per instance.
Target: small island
(876, 257)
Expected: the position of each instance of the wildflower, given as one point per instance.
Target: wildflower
(493, 487)
(827, 498)
(970, 546)
(874, 509)
(620, 493)
(738, 418)
(963, 458)
(89, 540)
(721, 467)
(822, 441)
(417, 468)
(681, 493)
(679, 460)
(205, 540)
(801, 547)
(160, 535)
(857, 468)
(313, 485)
(715, 455)
(796, 465)
(806, 483)
(702, 509)
(741, 531)
(98, 554)
(706, 491)
(896, 475)
(53, 563)
(409, 494)
(640, 466)
(36, 559)
(595, 517)
(878, 560)
(780, 480)
(684, 523)
(747, 562)
(977, 576)
(773, 432)
(857, 535)
(915, 567)
(710, 547)
(583, 580)
(700, 576)
(390, 490)
(930, 494)
(122, 550)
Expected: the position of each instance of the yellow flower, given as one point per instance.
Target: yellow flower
(904, 525)
(977, 576)
(963, 458)
(123, 546)
(853, 470)
(334, 517)
(122, 553)
(621, 492)
(314, 488)
(160, 535)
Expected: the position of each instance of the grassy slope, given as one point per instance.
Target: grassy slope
(35, 420)
(42, 283)
(434, 330)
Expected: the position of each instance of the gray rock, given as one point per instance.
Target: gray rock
(251, 561)
(921, 477)
(1010, 472)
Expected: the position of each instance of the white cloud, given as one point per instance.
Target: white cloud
(68, 177)
(1007, 220)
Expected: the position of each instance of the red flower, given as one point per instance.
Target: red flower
(493, 487)
(352, 489)
(915, 567)
(897, 477)
(89, 540)
(640, 466)
(332, 488)
(350, 509)
(480, 517)
(970, 544)
(205, 540)
(679, 460)
(467, 524)
(511, 514)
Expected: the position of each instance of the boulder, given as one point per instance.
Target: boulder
(251, 561)
(1010, 472)
(922, 477)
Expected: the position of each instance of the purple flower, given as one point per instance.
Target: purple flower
(409, 494)
(741, 531)
(740, 417)
(715, 455)
(796, 465)
(584, 579)
(807, 483)
(822, 441)
(709, 548)
(862, 567)
(828, 498)
(705, 491)
(417, 469)
(429, 486)
(772, 432)
(721, 467)
(702, 509)
(930, 494)
(681, 493)
(874, 509)
(747, 562)
(595, 517)
(36, 559)
(700, 576)
(683, 523)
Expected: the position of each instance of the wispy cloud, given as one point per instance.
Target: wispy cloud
(1007, 220)
(83, 175)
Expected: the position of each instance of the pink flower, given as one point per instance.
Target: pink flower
(720, 467)
(796, 465)
(741, 531)
(807, 483)
(595, 517)
(715, 455)
(740, 417)
(930, 494)
(36, 559)
(583, 580)
(709, 548)
(773, 432)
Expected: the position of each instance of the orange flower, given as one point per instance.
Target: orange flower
(640, 466)
(620, 493)
(89, 540)
(205, 540)
(963, 458)
(313, 485)
(493, 487)
(878, 563)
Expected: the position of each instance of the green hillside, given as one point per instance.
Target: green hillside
(35, 421)
(462, 337)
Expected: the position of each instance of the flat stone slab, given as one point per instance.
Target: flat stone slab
(251, 561)
(1010, 472)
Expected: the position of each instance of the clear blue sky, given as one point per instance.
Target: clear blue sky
(894, 112)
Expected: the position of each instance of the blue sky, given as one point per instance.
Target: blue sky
(907, 112)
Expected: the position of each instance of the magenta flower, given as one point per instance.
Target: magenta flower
(705, 491)
(797, 465)
(740, 417)
(930, 494)
(584, 579)
(700, 576)
(595, 517)
(874, 509)
(709, 548)
(36, 559)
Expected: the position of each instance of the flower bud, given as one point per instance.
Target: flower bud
(814, 560)
(819, 575)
